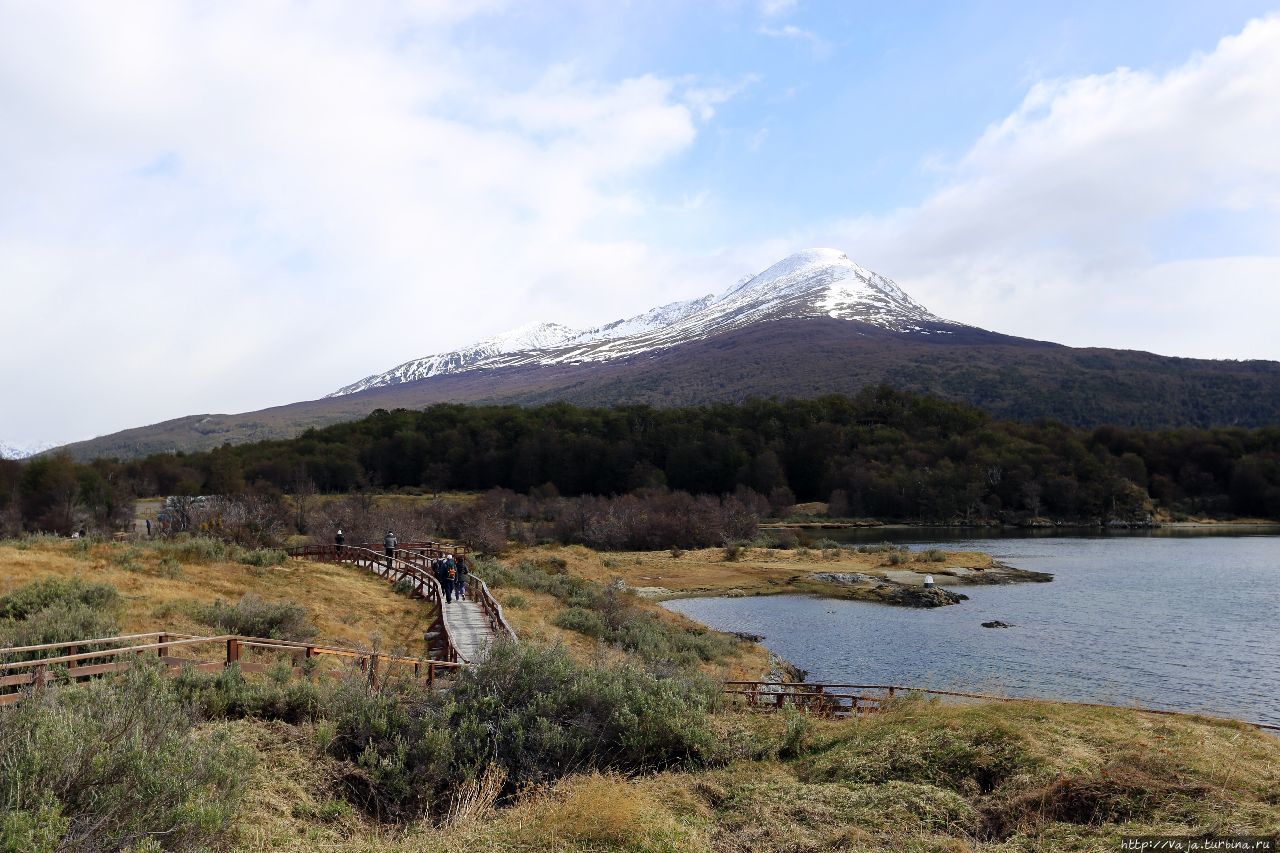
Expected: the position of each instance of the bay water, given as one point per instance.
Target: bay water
(1175, 618)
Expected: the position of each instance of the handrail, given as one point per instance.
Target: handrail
(36, 673)
(6, 650)
(492, 609)
(829, 695)
(429, 545)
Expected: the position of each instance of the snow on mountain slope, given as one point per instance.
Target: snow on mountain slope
(13, 451)
(811, 283)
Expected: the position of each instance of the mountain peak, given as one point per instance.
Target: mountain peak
(810, 283)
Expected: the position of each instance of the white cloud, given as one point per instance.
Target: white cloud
(816, 43)
(232, 205)
(777, 8)
(1065, 220)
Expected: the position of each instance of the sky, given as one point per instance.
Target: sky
(218, 207)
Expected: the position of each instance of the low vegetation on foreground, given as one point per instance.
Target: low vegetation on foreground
(605, 729)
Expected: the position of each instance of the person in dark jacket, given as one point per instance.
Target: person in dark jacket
(389, 542)
(441, 571)
(461, 578)
(339, 539)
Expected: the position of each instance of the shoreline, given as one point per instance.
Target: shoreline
(872, 524)
(887, 575)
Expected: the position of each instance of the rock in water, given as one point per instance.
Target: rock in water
(996, 624)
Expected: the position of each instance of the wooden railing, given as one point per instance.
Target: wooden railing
(855, 700)
(479, 591)
(429, 547)
(394, 569)
(68, 664)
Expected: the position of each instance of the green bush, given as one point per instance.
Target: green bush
(170, 568)
(541, 716)
(199, 549)
(113, 764)
(253, 617)
(39, 594)
(534, 712)
(229, 695)
(581, 620)
(395, 745)
(263, 557)
(59, 623)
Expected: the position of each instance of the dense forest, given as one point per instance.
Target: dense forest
(883, 454)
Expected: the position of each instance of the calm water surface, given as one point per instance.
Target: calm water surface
(1184, 621)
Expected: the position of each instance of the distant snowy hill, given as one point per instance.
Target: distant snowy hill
(14, 451)
(814, 323)
(812, 283)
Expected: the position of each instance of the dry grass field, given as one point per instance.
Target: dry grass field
(159, 582)
(920, 777)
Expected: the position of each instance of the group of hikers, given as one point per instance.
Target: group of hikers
(451, 571)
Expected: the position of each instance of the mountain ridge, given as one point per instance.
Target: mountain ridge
(814, 323)
(808, 283)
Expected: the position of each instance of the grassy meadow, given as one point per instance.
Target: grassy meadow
(603, 730)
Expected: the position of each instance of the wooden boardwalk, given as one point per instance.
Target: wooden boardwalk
(464, 630)
(472, 635)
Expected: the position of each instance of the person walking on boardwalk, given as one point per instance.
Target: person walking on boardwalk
(389, 542)
(440, 568)
(339, 539)
(460, 580)
(451, 578)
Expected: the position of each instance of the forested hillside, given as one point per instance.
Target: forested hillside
(883, 454)
(1004, 376)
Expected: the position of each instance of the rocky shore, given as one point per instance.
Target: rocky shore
(906, 587)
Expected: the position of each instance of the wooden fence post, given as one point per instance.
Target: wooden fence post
(233, 651)
(162, 640)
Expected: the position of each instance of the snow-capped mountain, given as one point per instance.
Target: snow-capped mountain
(13, 451)
(816, 282)
(811, 283)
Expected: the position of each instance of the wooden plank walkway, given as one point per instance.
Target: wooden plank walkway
(469, 629)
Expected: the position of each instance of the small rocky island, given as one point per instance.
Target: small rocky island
(907, 586)
(881, 573)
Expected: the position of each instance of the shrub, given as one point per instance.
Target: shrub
(581, 620)
(263, 557)
(59, 623)
(397, 750)
(229, 695)
(933, 555)
(46, 592)
(253, 617)
(515, 602)
(732, 552)
(541, 716)
(114, 764)
(199, 549)
(404, 586)
(169, 568)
